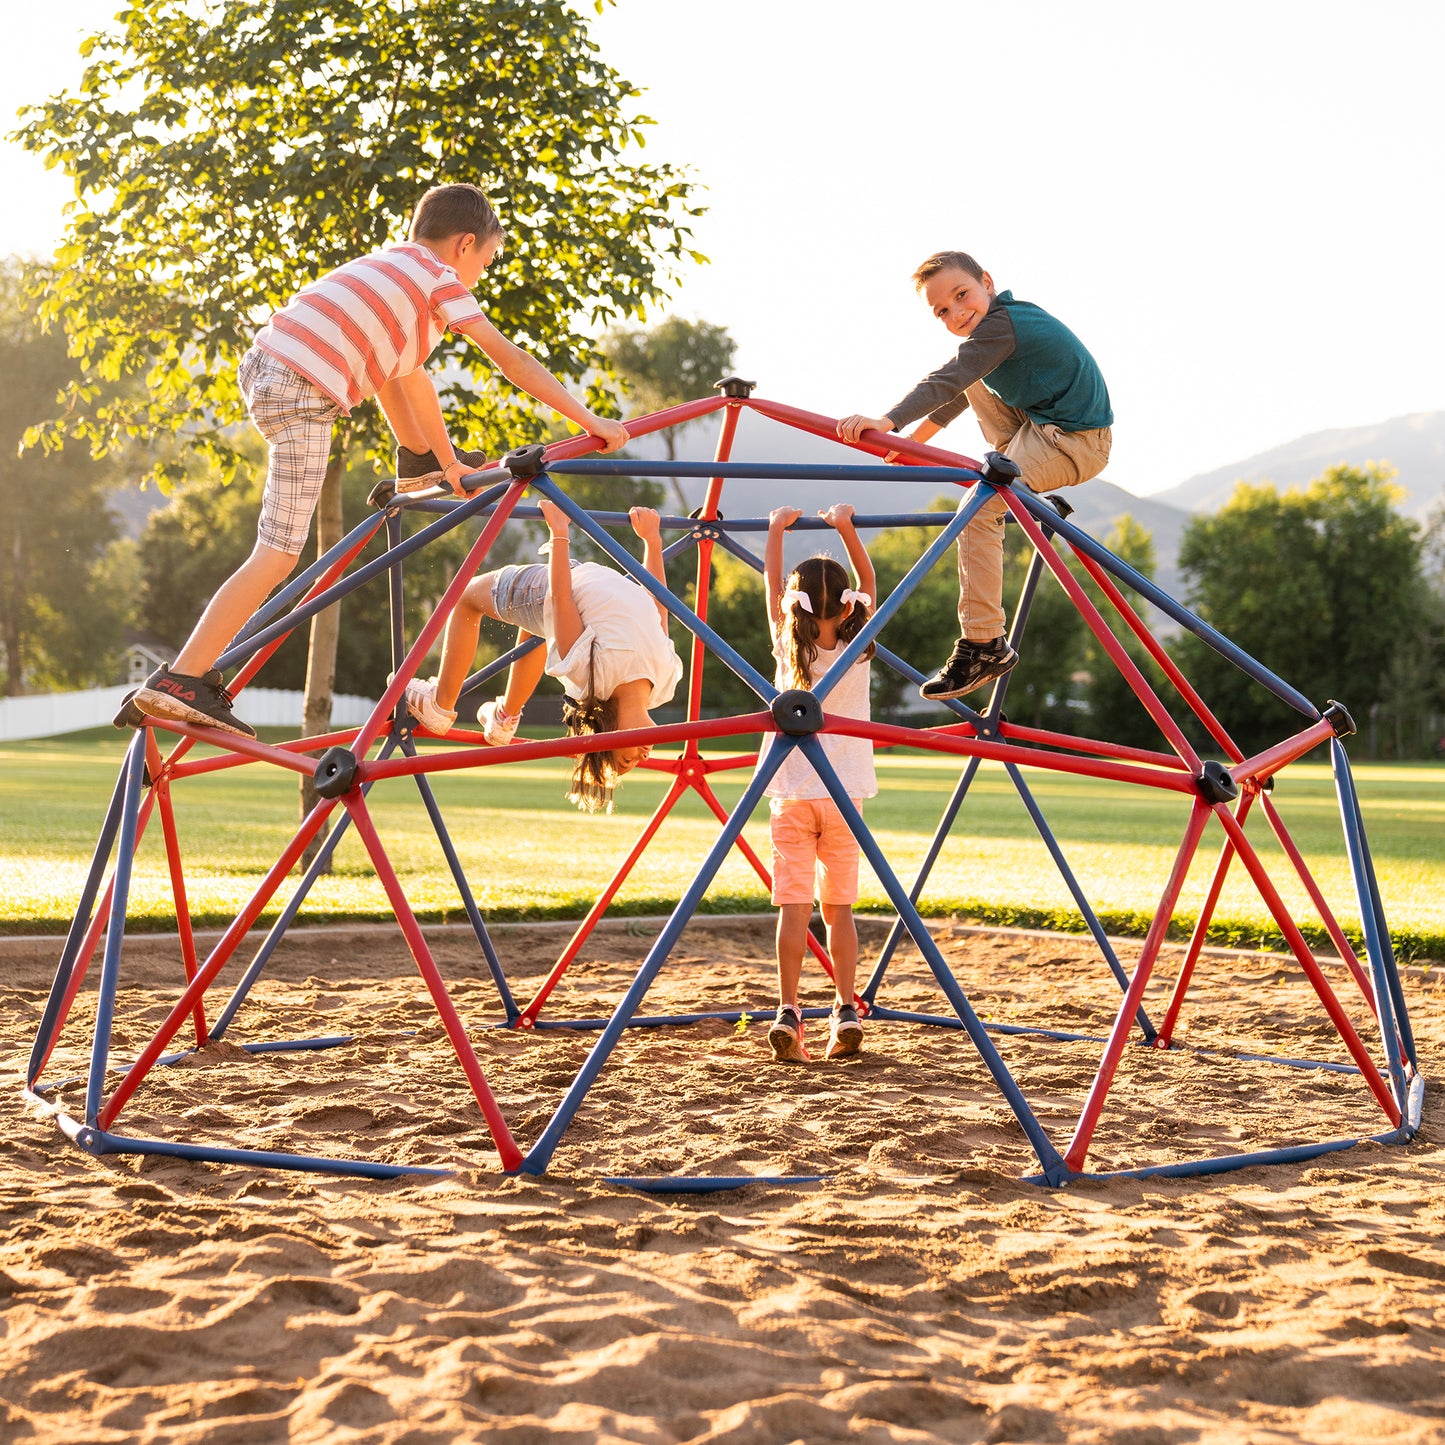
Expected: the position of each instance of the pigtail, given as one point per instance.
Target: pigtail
(594, 774)
(822, 581)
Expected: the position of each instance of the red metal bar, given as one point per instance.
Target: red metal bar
(1128, 1010)
(877, 443)
(406, 669)
(722, 453)
(1337, 934)
(528, 1016)
(756, 722)
(1171, 669)
(934, 741)
(199, 766)
(252, 749)
(1015, 732)
(1201, 929)
(161, 783)
(222, 952)
(1101, 630)
(1271, 760)
(451, 1020)
(1301, 950)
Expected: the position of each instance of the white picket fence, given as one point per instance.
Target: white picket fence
(46, 714)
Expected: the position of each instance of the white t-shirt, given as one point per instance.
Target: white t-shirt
(852, 758)
(620, 617)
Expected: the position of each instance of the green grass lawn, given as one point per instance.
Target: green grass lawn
(528, 854)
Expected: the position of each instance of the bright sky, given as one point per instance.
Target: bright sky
(1237, 205)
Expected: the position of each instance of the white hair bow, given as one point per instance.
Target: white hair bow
(849, 595)
(795, 597)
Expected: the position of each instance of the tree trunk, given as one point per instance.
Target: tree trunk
(325, 630)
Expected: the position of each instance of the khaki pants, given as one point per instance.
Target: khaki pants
(1049, 459)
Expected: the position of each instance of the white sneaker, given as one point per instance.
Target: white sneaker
(498, 727)
(421, 698)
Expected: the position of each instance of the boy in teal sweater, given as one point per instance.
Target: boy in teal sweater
(1038, 398)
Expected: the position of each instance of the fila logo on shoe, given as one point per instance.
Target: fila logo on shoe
(176, 689)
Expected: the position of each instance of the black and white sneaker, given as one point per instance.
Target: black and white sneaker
(416, 471)
(970, 665)
(845, 1033)
(786, 1037)
(180, 697)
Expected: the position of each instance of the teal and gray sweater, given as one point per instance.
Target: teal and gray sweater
(1029, 360)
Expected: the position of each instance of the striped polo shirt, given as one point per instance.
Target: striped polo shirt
(369, 321)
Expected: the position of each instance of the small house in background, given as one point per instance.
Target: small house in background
(144, 652)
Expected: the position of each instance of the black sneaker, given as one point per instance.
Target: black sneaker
(971, 665)
(845, 1033)
(786, 1037)
(416, 471)
(182, 698)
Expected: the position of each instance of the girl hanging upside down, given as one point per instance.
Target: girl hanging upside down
(607, 643)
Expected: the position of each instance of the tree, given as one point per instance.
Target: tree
(668, 364)
(60, 625)
(223, 155)
(1319, 584)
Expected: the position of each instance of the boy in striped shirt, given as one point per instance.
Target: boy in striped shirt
(366, 329)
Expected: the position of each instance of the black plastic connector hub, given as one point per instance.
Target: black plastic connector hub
(1063, 508)
(1339, 719)
(999, 470)
(1216, 783)
(797, 712)
(382, 494)
(526, 461)
(734, 386)
(335, 772)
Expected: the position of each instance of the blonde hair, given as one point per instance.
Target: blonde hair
(594, 774)
(823, 581)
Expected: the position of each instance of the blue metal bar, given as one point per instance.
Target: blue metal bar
(299, 584)
(99, 1141)
(1389, 999)
(723, 650)
(1049, 1157)
(945, 1021)
(1083, 542)
(287, 916)
(362, 575)
(115, 929)
(883, 655)
(783, 471)
(935, 847)
(777, 747)
(474, 914)
(394, 593)
(967, 511)
(865, 522)
(1091, 920)
(761, 1015)
(79, 925)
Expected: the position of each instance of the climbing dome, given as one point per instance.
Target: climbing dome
(1205, 796)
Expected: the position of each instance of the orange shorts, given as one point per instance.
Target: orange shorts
(812, 842)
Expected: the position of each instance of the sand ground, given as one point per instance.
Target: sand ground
(921, 1292)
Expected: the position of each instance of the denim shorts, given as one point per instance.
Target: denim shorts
(519, 596)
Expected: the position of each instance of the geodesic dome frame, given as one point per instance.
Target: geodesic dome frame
(347, 764)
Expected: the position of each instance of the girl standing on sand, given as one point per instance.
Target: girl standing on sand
(607, 643)
(811, 620)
